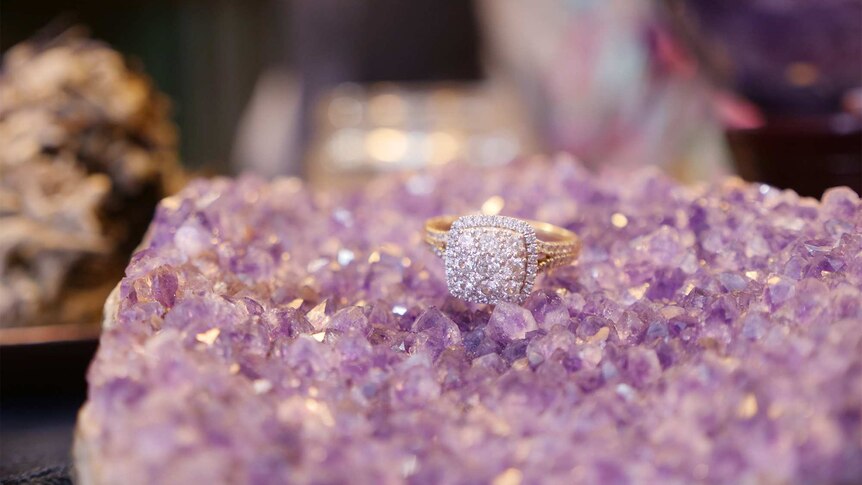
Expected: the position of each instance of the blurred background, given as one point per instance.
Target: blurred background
(215, 58)
(282, 86)
(106, 107)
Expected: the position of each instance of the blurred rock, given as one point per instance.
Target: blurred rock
(88, 149)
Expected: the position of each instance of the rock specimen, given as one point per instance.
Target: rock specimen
(86, 151)
(266, 334)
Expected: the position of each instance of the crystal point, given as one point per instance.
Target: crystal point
(510, 322)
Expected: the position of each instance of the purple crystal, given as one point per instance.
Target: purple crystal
(548, 309)
(510, 322)
(265, 334)
(543, 347)
(164, 288)
(643, 367)
(435, 331)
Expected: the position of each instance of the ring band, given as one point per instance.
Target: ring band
(490, 259)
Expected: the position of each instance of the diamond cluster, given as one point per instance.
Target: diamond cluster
(491, 259)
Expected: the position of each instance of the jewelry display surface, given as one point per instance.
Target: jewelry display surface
(267, 334)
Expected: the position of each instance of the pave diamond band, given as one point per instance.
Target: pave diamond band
(489, 259)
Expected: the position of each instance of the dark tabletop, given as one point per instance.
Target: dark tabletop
(41, 389)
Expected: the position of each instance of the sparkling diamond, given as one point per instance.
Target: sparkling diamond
(491, 259)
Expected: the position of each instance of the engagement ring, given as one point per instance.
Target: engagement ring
(490, 259)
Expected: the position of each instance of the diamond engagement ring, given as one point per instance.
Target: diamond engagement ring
(490, 259)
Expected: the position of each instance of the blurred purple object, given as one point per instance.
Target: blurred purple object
(799, 64)
(789, 57)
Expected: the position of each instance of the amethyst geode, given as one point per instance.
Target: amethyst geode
(267, 334)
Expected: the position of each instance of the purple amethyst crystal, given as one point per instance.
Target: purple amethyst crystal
(267, 334)
(510, 322)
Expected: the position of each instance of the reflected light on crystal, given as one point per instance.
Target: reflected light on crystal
(345, 257)
(261, 386)
(511, 476)
(343, 216)
(386, 144)
(295, 304)
(319, 336)
(672, 311)
(208, 337)
(599, 336)
(688, 287)
(171, 203)
(321, 410)
(408, 466)
(625, 391)
(317, 315)
(747, 407)
(619, 220)
(639, 291)
(316, 264)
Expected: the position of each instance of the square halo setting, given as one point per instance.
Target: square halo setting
(491, 259)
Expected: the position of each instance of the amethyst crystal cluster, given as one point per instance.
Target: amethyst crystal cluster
(268, 334)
